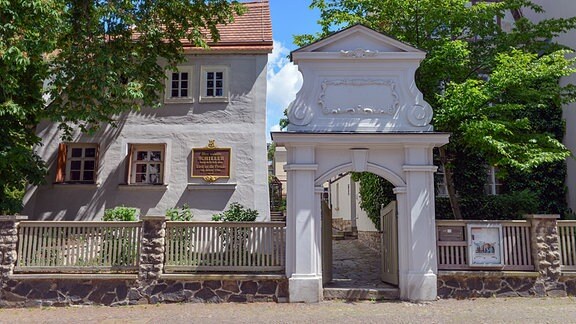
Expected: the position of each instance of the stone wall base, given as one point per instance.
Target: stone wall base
(370, 239)
(469, 285)
(67, 292)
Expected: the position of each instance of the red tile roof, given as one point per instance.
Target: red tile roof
(250, 32)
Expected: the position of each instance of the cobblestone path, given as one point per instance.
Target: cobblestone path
(355, 266)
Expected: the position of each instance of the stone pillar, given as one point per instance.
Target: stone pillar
(303, 263)
(152, 247)
(8, 244)
(545, 245)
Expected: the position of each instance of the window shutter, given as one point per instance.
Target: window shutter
(61, 162)
(96, 163)
(129, 163)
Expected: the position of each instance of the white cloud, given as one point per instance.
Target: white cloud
(275, 128)
(283, 80)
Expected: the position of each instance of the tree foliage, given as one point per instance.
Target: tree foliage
(375, 192)
(490, 87)
(81, 63)
(284, 121)
(489, 117)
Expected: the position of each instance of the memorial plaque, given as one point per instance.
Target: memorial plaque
(450, 233)
(211, 162)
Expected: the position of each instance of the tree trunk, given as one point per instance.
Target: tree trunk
(450, 184)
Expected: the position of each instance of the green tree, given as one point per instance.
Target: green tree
(284, 120)
(375, 192)
(489, 87)
(82, 63)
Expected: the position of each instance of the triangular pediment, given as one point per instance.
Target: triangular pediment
(358, 37)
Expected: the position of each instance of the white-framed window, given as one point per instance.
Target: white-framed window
(440, 182)
(77, 163)
(214, 81)
(179, 85)
(493, 185)
(146, 164)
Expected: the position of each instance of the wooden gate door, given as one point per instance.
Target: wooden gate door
(326, 243)
(389, 243)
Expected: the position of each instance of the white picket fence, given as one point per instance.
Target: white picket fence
(567, 235)
(225, 246)
(453, 254)
(78, 246)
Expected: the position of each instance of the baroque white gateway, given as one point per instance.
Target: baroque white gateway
(359, 110)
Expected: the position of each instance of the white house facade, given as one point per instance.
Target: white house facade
(205, 147)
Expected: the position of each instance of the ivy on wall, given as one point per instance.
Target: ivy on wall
(375, 192)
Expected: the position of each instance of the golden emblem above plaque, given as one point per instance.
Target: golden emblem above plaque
(211, 162)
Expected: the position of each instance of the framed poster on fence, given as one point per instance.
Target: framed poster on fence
(485, 245)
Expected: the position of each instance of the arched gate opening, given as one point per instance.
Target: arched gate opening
(359, 247)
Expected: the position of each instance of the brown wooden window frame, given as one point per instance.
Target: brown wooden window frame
(74, 158)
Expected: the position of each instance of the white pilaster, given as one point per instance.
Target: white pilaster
(416, 224)
(404, 249)
(303, 235)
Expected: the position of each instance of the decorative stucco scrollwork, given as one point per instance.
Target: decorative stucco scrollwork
(359, 52)
(388, 108)
(420, 115)
(299, 112)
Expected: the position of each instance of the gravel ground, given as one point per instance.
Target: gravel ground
(491, 310)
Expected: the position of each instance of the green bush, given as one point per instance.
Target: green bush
(283, 205)
(569, 215)
(182, 214)
(515, 204)
(506, 206)
(121, 213)
(236, 213)
(236, 239)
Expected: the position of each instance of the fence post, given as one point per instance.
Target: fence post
(8, 244)
(545, 245)
(152, 247)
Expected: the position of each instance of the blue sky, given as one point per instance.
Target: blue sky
(289, 17)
